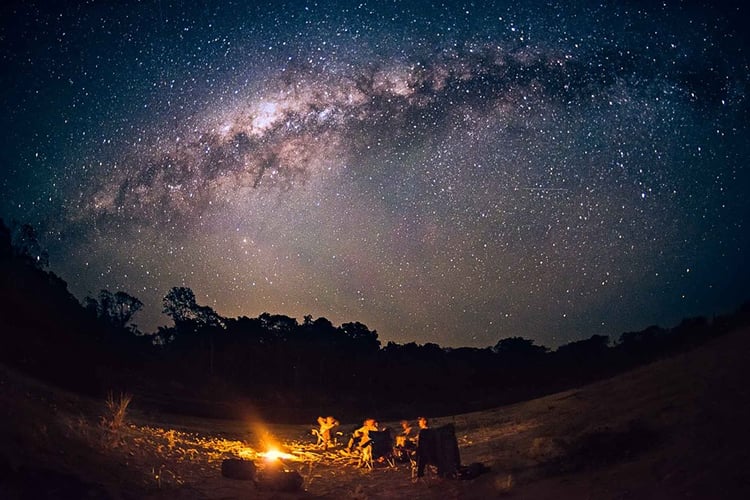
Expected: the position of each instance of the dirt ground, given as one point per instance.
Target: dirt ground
(674, 429)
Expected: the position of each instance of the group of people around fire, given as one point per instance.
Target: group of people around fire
(405, 439)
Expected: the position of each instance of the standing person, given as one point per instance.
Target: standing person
(423, 424)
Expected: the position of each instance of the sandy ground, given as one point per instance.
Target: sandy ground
(674, 429)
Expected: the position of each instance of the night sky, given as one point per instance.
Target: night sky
(453, 172)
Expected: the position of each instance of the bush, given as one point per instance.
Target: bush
(116, 407)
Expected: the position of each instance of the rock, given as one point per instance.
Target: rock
(237, 468)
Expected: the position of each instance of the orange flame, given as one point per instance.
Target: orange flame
(276, 454)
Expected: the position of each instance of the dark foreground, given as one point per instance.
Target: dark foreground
(677, 428)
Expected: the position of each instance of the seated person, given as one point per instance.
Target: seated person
(406, 441)
(361, 437)
(407, 434)
(325, 432)
(407, 431)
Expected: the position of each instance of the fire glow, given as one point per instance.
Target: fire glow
(274, 454)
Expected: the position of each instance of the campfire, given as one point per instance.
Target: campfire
(275, 455)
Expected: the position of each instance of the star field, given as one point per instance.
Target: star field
(449, 174)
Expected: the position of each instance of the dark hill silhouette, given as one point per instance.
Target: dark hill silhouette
(206, 364)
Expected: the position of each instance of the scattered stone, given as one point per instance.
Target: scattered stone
(237, 468)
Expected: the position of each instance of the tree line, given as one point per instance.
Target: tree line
(282, 368)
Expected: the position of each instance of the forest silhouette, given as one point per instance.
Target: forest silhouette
(278, 368)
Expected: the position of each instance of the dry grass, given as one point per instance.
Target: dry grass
(116, 407)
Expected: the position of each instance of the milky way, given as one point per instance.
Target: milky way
(453, 175)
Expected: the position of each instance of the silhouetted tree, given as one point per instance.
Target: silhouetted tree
(26, 244)
(181, 306)
(648, 343)
(191, 318)
(690, 332)
(585, 359)
(583, 349)
(116, 309)
(281, 326)
(363, 340)
(518, 348)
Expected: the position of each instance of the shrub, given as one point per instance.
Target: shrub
(116, 407)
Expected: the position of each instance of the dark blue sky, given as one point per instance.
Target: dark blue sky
(450, 174)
